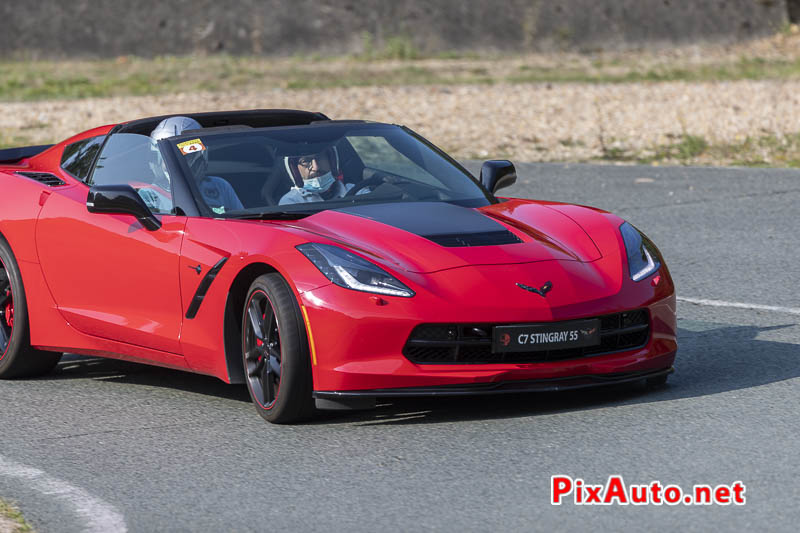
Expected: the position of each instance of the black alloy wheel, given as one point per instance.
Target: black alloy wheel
(276, 355)
(262, 345)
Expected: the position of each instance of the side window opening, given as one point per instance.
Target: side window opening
(135, 160)
(78, 157)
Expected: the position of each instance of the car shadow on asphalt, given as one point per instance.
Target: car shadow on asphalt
(713, 359)
(123, 372)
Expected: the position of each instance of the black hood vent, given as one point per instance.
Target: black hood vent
(487, 238)
(51, 180)
(443, 223)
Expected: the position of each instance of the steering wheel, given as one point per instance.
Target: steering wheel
(369, 182)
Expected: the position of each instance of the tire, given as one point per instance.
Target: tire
(17, 358)
(276, 359)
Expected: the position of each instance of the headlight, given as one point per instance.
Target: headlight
(350, 271)
(643, 258)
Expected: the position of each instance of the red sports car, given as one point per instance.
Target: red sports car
(324, 263)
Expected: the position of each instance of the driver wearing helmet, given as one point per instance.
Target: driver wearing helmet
(316, 178)
(216, 192)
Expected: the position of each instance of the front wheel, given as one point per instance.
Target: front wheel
(275, 349)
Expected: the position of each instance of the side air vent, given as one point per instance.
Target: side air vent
(51, 180)
(487, 238)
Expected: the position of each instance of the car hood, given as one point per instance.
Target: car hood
(427, 237)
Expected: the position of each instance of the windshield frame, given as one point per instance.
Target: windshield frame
(177, 163)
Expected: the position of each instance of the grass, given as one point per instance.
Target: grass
(44, 80)
(397, 47)
(13, 514)
(756, 151)
(404, 75)
(762, 151)
(687, 149)
(397, 62)
(13, 140)
(743, 69)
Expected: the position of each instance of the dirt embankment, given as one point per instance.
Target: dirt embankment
(527, 122)
(696, 120)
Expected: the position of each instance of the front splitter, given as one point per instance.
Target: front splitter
(365, 399)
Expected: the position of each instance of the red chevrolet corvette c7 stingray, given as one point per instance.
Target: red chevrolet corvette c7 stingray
(323, 263)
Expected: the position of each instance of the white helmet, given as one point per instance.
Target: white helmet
(330, 153)
(172, 126)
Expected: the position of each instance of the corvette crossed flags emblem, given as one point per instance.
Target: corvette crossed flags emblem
(541, 291)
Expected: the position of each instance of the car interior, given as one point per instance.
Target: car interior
(256, 173)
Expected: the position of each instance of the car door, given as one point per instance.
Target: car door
(109, 276)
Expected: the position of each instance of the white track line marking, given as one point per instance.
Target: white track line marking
(98, 515)
(739, 305)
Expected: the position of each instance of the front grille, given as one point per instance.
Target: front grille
(472, 343)
(486, 238)
(46, 178)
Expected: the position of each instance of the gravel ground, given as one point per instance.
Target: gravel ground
(530, 122)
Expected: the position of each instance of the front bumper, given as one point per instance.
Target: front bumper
(358, 341)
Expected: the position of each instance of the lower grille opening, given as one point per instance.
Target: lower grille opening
(472, 343)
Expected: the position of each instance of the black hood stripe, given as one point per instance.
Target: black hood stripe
(443, 223)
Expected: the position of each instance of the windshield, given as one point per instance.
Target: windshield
(306, 169)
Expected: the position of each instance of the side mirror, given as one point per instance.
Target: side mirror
(121, 200)
(496, 175)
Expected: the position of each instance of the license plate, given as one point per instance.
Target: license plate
(541, 337)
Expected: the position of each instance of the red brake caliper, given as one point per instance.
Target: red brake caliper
(9, 311)
(259, 343)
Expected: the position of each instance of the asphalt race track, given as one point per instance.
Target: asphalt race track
(103, 445)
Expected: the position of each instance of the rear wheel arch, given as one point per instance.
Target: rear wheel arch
(18, 358)
(4, 242)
